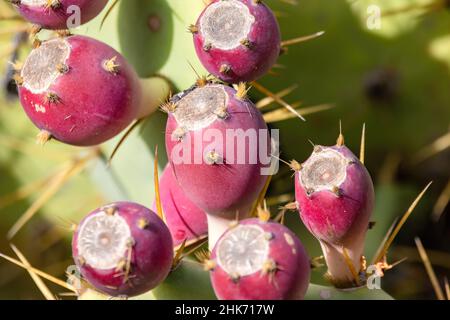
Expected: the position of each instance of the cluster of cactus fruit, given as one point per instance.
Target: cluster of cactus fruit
(82, 92)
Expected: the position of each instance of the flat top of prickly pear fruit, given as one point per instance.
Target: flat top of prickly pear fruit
(103, 240)
(326, 169)
(225, 24)
(243, 250)
(42, 66)
(34, 3)
(199, 108)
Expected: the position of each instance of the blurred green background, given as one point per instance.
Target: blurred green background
(391, 72)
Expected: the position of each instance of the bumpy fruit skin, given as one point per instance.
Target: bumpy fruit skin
(289, 281)
(246, 63)
(56, 17)
(184, 219)
(92, 104)
(151, 256)
(336, 219)
(222, 189)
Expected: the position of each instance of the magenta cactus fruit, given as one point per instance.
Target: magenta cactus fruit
(237, 40)
(123, 249)
(59, 14)
(335, 198)
(218, 145)
(184, 219)
(79, 90)
(258, 260)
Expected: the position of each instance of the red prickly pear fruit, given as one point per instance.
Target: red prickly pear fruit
(237, 40)
(258, 260)
(335, 198)
(59, 14)
(184, 219)
(79, 90)
(123, 249)
(218, 145)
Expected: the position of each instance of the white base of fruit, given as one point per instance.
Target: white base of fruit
(343, 267)
(216, 227)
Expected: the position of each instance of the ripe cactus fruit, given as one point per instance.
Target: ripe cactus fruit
(79, 90)
(237, 40)
(57, 14)
(217, 142)
(123, 249)
(258, 260)
(335, 198)
(184, 219)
